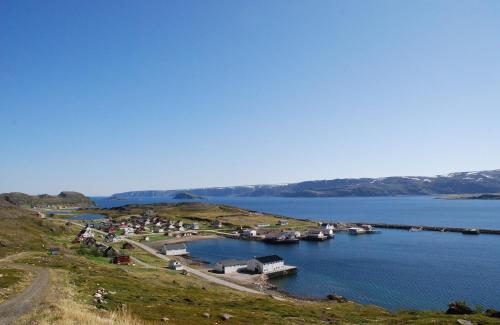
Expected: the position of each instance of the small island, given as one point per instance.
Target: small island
(187, 196)
(485, 196)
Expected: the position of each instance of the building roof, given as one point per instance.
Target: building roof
(269, 259)
(232, 262)
(174, 246)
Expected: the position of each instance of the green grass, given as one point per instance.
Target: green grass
(155, 293)
(152, 294)
(203, 213)
(10, 277)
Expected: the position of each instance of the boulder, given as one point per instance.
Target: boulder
(336, 298)
(226, 316)
(206, 315)
(464, 322)
(165, 319)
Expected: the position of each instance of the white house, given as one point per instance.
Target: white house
(291, 233)
(328, 232)
(128, 231)
(195, 226)
(230, 266)
(217, 223)
(266, 264)
(249, 233)
(87, 233)
(173, 249)
(283, 222)
(175, 265)
(327, 226)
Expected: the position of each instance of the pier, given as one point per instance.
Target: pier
(428, 228)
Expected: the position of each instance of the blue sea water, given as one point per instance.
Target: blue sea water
(419, 210)
(395, 269)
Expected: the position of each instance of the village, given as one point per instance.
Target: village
(116, 238)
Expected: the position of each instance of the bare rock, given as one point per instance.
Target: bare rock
(226, 316)
(165, 319)
(464, 322)
(206, 315)
(339, 299)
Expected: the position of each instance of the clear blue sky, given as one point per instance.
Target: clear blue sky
(109, 96)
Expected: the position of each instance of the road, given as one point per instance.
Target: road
(196, 272)
(23, 302)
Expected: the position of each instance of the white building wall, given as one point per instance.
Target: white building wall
(256, 266)
(173, 252)
(234, 268)
(271, 267)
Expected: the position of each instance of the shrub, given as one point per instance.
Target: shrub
(458, 308)
(492, 313)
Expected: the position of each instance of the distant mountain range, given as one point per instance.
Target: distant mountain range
(454, 183)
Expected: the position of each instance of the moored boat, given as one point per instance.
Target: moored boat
(356, 231)
(281, 240)
(315, 235)
(370, 230)
(471, 231)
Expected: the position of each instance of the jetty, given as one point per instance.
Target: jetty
(429, 228)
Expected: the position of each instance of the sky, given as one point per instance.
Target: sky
(109, 96)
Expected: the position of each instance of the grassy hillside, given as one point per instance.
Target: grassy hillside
(20, 230)
(145, 296)
(62, 199)
(192, 211)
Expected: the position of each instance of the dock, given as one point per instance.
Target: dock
(428, 228)
(285, 270)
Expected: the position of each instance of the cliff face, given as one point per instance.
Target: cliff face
(63, 198)
(455, 183)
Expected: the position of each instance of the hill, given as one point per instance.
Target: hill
(187, 196)
(153, 293)
(454, 183)
(67, 198)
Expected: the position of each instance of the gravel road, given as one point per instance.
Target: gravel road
(25, 301)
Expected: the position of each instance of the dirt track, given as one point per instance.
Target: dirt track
(23, 302)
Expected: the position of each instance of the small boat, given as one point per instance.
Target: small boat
(370, 230)
(356, 231)
(280, 240)
(315, 235)
(414, 229)
(470, 231)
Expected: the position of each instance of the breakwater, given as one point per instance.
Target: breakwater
(427, 228)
